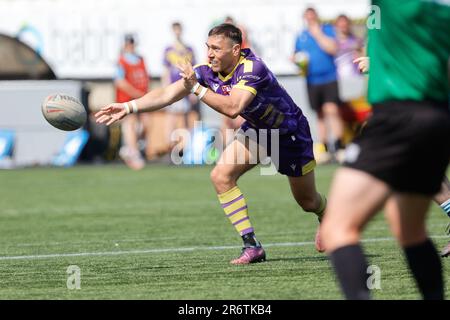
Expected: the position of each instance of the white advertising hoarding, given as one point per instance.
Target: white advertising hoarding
(81, 39)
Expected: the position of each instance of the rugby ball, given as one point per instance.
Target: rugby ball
(64, 112)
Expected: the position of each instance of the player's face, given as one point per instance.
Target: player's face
(223, 54)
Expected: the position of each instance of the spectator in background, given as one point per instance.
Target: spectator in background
(317, 46)
(131, 82)
(185, 111)
(352, 85)
(349, 48)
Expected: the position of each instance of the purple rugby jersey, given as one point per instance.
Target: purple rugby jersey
(175, 54)
(272, 107)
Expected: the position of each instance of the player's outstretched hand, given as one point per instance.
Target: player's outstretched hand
(188, 74)
(363, 64)
(111, 113)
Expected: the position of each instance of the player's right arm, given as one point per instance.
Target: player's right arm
(165, 77)
(162, 97)
(152, 101)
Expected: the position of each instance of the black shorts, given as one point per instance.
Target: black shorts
(321, 93)
(405, 144)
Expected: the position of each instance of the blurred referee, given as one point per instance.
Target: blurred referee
(401, 157)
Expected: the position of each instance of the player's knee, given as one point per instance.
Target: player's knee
(220, 177)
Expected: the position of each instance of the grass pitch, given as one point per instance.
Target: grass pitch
(161, 234)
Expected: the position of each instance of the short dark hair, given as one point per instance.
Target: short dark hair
(176, 24)
(130, 38)
(227, 30)
(312, 9)
(343, 16)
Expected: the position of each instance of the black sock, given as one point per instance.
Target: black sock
(250, 240)
(425, 265)
(351, 269)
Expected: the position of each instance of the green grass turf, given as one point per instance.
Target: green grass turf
(112, 209)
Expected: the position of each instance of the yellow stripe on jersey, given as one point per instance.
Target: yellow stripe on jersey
(279, 120)
(241, 85)
(268, 111)
(308, 167)
(248, 65)
(228, 77)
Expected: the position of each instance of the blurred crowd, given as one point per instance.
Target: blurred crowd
(326, 54)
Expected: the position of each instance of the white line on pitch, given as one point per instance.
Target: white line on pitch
(186, 249)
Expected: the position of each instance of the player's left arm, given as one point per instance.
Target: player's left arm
(231, 105)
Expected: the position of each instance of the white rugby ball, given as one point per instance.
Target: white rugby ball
(64, 112)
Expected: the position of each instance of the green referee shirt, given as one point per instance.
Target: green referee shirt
(409, 53)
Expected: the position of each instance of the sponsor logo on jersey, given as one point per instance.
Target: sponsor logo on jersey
(215, 86)
(226, 89)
